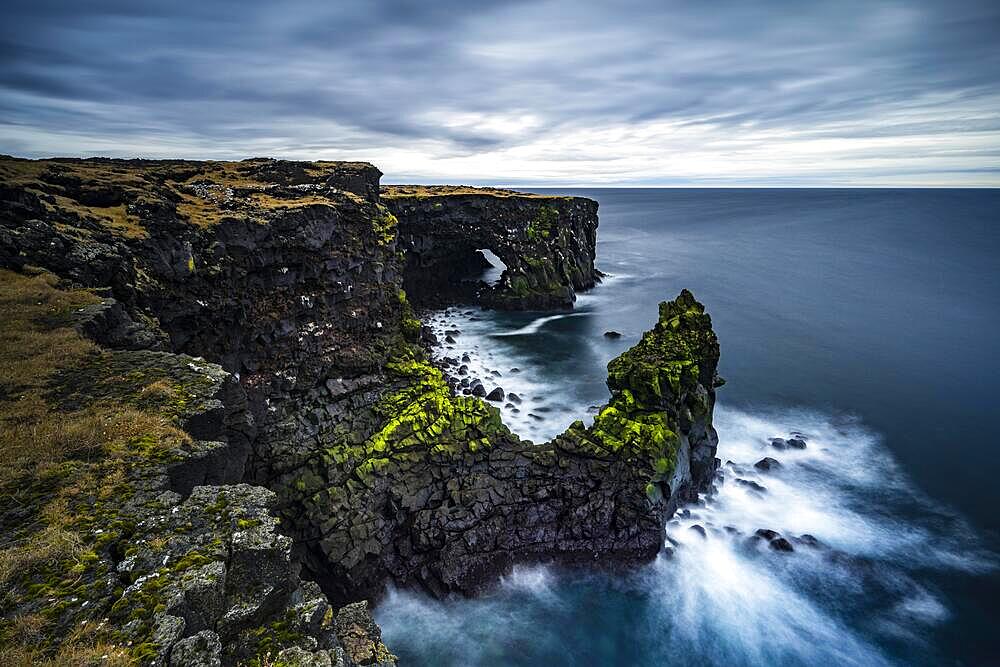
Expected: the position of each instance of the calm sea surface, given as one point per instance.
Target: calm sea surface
(866, 319)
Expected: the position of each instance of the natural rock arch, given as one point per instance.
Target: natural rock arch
(547, 244)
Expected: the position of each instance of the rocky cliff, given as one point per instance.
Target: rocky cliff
(547, 244)
(316, 443)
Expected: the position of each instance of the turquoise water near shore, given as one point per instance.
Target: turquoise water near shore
(865, 319)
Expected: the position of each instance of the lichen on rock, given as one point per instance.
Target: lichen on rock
(274, 446)
(546, 242)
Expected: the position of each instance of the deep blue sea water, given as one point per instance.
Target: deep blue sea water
(866, 319)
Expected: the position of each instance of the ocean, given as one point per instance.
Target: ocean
(866, 320)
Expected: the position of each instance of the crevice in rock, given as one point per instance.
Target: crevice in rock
(295, 278)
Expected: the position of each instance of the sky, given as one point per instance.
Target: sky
(625, 93)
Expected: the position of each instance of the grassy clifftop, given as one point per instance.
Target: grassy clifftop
(63, 473)
(120, 195)
(424, 191)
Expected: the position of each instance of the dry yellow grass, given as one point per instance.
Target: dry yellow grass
(54, 463)
(83, 648)
(423, 191)
(49, 546)
(35, 341)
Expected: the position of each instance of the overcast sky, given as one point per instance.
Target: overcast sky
(640, 92)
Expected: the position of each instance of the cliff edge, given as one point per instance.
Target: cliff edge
(546, 244)
(297, 451)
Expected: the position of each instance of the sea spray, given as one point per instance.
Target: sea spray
(719, 594)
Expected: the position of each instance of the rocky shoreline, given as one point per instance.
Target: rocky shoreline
(324, 455)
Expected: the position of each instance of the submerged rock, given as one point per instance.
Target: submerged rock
(781, 544)
(752, 485)
(767, 464)
(612, 334)
(808, 540)
(767, 533)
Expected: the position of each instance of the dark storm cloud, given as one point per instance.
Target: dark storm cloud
(460, 78)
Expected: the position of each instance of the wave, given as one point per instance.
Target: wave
(535, 325)
(857, 588)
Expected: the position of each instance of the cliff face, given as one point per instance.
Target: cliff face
(445, 497)
(547, 244)
(281, 272)
(290, 276)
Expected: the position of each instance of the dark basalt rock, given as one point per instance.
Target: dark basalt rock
(752, 485)
(612, 334)
(767, 533)
(781, 544)
(496, 395)
(796, 443)
(808, 540)
(767, 464)
(774, 539)
(289, 276)
(547, 244)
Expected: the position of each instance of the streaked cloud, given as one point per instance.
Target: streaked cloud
(633, 92)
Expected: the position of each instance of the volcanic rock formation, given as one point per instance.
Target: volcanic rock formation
(546, 242)
(317, 436)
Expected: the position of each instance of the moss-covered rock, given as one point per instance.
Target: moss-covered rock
(290, 277)
(546, 242)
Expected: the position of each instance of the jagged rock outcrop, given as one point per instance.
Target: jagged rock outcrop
(546, 242)
(290, 276)
(161, 555)
(443, 496)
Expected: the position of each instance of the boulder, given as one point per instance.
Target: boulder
(767, 533)
(752, 485)
(781, 544)
(767, 464)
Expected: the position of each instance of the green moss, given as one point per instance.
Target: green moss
(190, 560)
(648, 383)
(384, 225)
(426, 415)
(422, 417)
(519, 286)
(270, 639)
(411, 329)
(543, 224)
(668, 356)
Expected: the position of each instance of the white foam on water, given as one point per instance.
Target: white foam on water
(535, 414)
(535, 325)
(723, 597)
